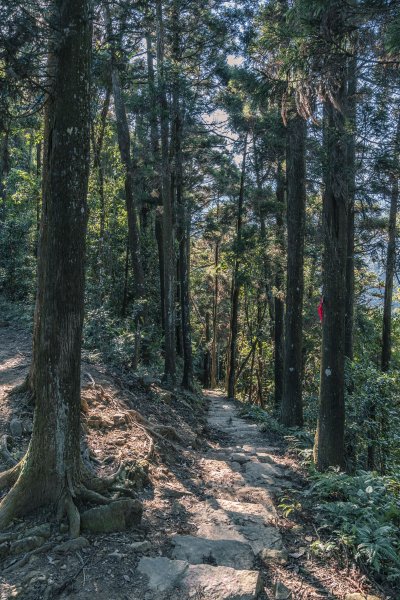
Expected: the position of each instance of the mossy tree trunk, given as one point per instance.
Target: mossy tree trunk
(52, 466)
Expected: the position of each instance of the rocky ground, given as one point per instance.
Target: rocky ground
(209, 482)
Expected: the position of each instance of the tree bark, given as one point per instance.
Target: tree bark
(183, 215)
(99, 168)
(4, 170)
(329, 440)
(155, 147)
(279, 307)
(168, 216)
(124, 144)
(236, 285)
(51, 467)
(292, 403)
(390, 270)
(214, 342)
(351, 173)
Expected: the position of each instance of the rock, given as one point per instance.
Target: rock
(163, 573)
(140, 546)
(99, 422)
(120, 419)
(23, 545)
(197, 550)
(15, 427)
(281, 592)
(358, 596)
(222, 583)
(263, 457)
(239, 458)
(213, 583)
(262, 472)
(72, 545)
(148, 380)
(168, 432)
(116, 516)
(244, 522)
(271, 555)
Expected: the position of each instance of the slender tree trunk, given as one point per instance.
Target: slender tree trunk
(329, 441)
(124, 307)
(351, 172)
(236, 285)
(155, 145)
(124, 143)
(214, 343)
(207, 355)
(182, 208)
(38, 196)
(131, 208)
(279, 307)
(168, 220)
(292, 402)
(99, 168)
(50, 470)
(390, 270)
(4, 170)
(267, 283)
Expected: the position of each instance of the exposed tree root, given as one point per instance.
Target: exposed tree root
(8, 478)
(74, 517)
(87, 495)
(146, 427)
(99, 484)
(5, 453)
(18, 501)
(18, 564)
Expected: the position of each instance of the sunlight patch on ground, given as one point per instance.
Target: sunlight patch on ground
(12, 363)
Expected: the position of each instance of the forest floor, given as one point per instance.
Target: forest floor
(210, 482)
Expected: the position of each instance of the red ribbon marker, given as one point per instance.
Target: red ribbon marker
(321, 309)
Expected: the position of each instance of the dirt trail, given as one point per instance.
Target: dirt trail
(210, 531)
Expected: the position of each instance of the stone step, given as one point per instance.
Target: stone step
(226, 553)
(247, 523)
(214, 583)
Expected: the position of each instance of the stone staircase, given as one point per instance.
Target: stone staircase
(235, 525)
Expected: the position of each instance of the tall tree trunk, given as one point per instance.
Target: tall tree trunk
(155, 147)
(351, 173)
(390, 270)
(279, 307)
(207, 355)
(4, 170)
(214, 342)
(51, 469)
(99, 168)
(183, 210)
(124, 144)
(168, 220)
(292, 403)
(329, 441)
(236, 285)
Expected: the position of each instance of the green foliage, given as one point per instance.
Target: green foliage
(373, 419)
(360, 514)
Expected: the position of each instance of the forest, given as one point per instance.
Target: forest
(199, 299)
